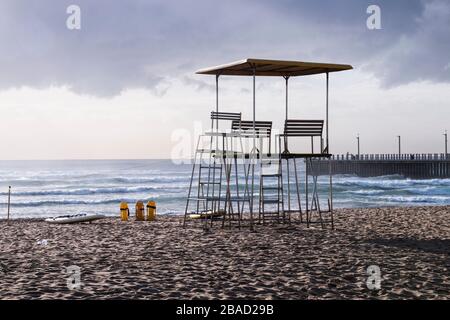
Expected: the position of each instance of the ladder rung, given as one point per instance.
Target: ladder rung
(197, 198)
(208, 151)
(235, 199)
(272, 188)
(227, 154)
(269, 163)
(214, 134)
(269, 175)
(271, 201)
(211, 167)
(207, 198)
(270, 160)
(206, 182)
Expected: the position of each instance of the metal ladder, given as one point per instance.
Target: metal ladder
(271, 190)
(208, 194)
(208, 202)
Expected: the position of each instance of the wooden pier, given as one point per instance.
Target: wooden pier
(417, 166)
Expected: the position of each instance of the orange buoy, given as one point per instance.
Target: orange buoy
(151, 210)
(140, 211)
(124, 211)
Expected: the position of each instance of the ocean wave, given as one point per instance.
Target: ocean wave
(428, 190)
(416, 199)
(25, 181)
(385, 177)
(90, 191)
(364, 192)
(390, 183)
(63, 202)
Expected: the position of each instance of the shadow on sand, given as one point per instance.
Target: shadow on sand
(439, 246)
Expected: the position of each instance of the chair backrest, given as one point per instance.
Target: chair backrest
(262, 128)
(225, 116)
(303, 128)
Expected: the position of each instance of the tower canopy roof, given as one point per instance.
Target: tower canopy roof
(280, 68)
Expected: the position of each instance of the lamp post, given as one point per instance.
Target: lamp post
(399, 145)
(357, 139)
(446, 144)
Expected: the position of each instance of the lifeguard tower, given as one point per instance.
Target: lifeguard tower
(236, 174)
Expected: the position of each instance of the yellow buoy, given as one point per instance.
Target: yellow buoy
(140, 211)
(124, 211)
(151, 210)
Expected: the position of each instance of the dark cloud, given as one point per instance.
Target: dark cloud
(137, 43)
(420, 56)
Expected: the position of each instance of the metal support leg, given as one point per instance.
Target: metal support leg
(237, 190)
(252, 196)
(288, 185)
(298, 193)
(331, 195)
(306, 192)
(189, 192)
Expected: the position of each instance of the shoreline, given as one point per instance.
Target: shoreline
(181, 215)
(161, 260)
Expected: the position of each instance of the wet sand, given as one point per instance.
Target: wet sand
(161, 260)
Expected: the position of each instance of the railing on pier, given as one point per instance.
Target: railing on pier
(419, 166)
(388, 157)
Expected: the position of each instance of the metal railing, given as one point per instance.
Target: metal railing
(391, 157)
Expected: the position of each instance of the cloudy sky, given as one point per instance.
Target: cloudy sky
(123, 86)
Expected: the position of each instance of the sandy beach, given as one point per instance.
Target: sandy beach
(161, 260)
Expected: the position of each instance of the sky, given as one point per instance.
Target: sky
(123, 86)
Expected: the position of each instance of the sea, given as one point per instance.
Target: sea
(50, 188)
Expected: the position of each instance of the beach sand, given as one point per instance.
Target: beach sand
(161, 260)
